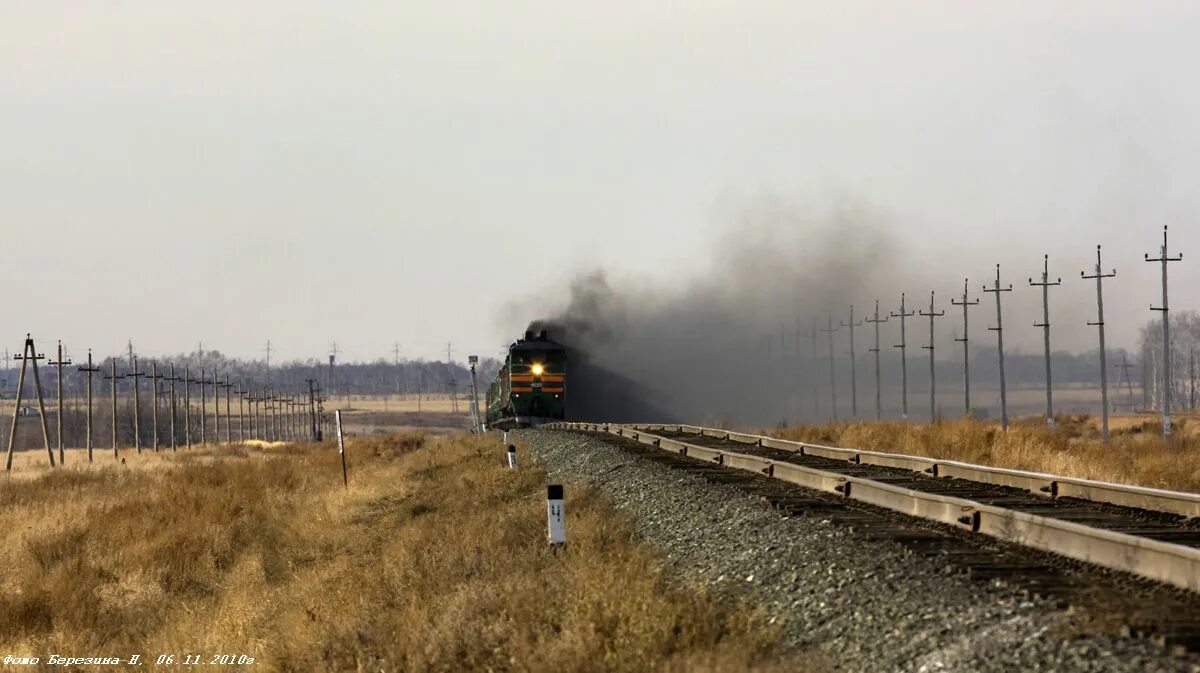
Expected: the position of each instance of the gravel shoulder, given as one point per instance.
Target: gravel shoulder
(856, 605)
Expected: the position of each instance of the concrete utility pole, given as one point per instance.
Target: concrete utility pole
(903, 346)
(114, 378)
(878, 385)
(832, 374)
(89, 370)
(29, 354)
(1099, 275)
(137, 406)
(931, 314)
(1163, 258)
(853, 366)
(965, 303)
(241, 395)
(999, 330)
(58, 364)
(1045, 284)
(216, 435)
(268, 350)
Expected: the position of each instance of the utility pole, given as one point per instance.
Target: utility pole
(89, 370)
(816, 397)
(1125, 367)
(228, 412)
(853, 365)
(999, 330)
(1163, 258)
(932, 314)
(203, 409)
(216, 435)
(155, 377)
(137, 407)
(832, 377)
(29, 354)
(878, 383)
(241, 395)
(268, 349)
(114, 378)
(396, 363)
(174, 407)
(1099, 275)
(256, 418)
(187, 406)
(965, 303)
(903, 346)
(474, 360)
(58, 364)
(1045, 284)
(452, 383)
(312, 409)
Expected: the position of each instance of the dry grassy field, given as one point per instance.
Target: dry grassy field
(1137, 453)
(434, 559)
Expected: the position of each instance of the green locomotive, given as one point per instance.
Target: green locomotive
(531, 386)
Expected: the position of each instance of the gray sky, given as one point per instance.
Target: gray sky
(424, 172)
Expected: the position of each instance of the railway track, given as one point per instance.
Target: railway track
(1130, 553)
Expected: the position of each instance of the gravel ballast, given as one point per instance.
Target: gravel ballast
(862, 605)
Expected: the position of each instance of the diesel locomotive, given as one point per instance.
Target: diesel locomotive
(531, 386)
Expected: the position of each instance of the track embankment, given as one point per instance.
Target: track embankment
(859, 590)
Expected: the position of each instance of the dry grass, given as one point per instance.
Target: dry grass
(1137, 453)
(434, 559)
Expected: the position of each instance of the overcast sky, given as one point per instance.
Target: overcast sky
(229, 172)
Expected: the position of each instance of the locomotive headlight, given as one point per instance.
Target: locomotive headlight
(537, 369)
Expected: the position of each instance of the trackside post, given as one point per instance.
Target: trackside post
(337, 415)
(512, 457)
(557, 517)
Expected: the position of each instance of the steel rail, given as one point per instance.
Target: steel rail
(1038, 483)
(1173, 564)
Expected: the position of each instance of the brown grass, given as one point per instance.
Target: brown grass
(1137, 453)
(433, 560)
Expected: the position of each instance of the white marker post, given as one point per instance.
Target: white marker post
(512, 458)
(337, 415)
(558, 519)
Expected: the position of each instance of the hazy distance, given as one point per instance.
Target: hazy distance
(226, 173)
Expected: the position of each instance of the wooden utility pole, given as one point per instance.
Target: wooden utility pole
(932, 314)
(1099, 275)
(999, 330)
(903, 346)
(174, 408)
(1046, 284)
(853, 365)
(137, 406)
(228, 414)
(29, 354)
(58, 364)
(878, 381)
(203, 409)
(1163, 258)
(241, 395)
(187, 405)
(312, 409)
(114, 378)
(965, 303)
(89, 370)
(155, 377)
